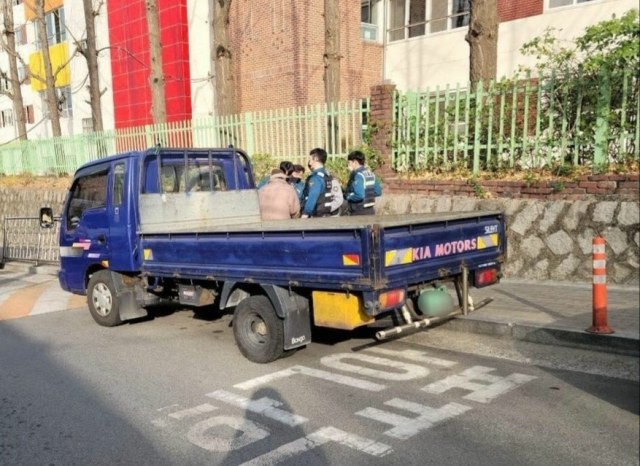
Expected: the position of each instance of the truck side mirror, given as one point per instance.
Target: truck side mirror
(46, 217)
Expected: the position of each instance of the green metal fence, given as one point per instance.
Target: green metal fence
(534, 122)
(284, 134)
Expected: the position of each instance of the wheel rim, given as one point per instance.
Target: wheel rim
(102, 299)
(256, 330)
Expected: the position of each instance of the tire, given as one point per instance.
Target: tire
(258, 331)
(102, 299)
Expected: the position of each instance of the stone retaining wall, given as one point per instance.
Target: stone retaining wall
(547, 240)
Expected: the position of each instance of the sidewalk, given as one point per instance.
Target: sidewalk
(554, 313)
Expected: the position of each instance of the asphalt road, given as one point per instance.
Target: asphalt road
(175, 391)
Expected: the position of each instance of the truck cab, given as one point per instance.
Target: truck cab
(99, 222)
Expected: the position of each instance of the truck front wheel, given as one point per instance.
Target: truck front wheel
(102, 299)
(258, 331)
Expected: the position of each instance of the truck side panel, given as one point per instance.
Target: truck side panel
(317, 259)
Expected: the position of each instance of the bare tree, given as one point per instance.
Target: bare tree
(483, 40)
(49, 78)
(91, 54)
(156, 78)
(225, 85)
(332, 59)
(9, 46)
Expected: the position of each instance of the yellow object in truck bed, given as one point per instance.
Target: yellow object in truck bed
(339, 310)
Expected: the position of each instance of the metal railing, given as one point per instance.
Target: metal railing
(25, 240)
(288, 133)
(523, 123)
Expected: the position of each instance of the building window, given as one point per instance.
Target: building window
(17, 2)
(414, 18)
(5, 85)
(21, 35)
(23, 75)
(87, 125)
(63, 96)
(368, 12)
(559, 3)
(460, 14)
(6, 118)
(56, 31)
(28, 114)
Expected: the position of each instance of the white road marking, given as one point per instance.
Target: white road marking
(181, 413)
(317, 373)
(265, 406)
(406, 427)
(195, 411)
(204, 434)
(409, 371)
(480, 392)
(413, 355)
(316, 439)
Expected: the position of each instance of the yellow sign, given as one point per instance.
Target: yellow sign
(59, 56)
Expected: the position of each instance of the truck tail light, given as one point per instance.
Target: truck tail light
(486, 277)
(392, 298)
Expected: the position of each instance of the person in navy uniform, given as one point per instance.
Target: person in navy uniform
(317, 194)
(296, 179)
(362, 188)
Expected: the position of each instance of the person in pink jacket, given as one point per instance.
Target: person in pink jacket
(278, 199)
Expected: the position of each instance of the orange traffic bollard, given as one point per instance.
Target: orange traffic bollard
(599, 289)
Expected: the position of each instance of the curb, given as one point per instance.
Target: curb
(45, 269)
(619, 343)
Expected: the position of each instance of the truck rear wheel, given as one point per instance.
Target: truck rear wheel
(102, 299)
(258, 331)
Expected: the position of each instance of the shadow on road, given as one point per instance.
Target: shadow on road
(50, 416)
(253, 430)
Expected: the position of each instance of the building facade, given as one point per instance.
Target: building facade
(277, 52)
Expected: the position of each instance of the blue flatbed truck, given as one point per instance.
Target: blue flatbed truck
(184, 225)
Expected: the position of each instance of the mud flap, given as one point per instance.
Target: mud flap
(294, 309)
(132, 297)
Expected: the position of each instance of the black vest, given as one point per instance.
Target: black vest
(323, 205)
(366, 205)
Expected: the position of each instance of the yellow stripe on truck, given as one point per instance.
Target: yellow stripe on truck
(398, 257)
(488, 241)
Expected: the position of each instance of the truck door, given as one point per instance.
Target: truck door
(84, 239)
(120, 217)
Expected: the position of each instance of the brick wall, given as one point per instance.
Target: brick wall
(278, 50)
(626, 186)
(509, 10)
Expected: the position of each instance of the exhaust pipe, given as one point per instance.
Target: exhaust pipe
(426, 322)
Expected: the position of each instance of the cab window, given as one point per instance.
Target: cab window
(200, 176)
(118, 184)
(88, 192)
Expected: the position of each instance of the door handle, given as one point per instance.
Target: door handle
(102, 239)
